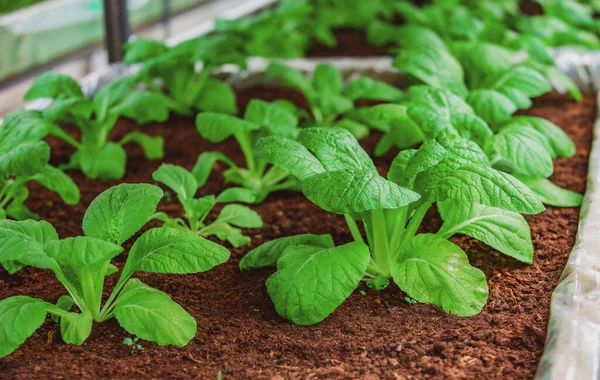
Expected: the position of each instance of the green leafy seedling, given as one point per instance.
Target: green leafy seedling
(96, 155)
(260, 119)
(329, 99)
(184, 71)
(81, 264)
(314, 276)
(24, 157)
(196, 210)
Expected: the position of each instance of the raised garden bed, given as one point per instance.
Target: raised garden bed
(239, 332)
(246, 328)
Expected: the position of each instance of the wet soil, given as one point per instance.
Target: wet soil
(372, 335)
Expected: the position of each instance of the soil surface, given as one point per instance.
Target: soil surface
(372, 335)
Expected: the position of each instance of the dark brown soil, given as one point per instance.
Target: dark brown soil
(372, 335)
(350, 43)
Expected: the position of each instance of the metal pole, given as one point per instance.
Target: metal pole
(116, 28)
(166, 15)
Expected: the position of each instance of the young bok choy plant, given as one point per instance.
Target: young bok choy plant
(196, 210)
(260, 119)
(24, 157)
(96, 155)
(314, 277)
(523, 146)
(329, 99)
(184, 71)
(81, 264)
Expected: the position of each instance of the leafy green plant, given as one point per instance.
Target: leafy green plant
(183, 72)
(329, 99)
(314, 277)
(523, 146)
(23, 158)
(196, 210)
(260, 119)
(285, 31)
(81, 264)
(95, 154)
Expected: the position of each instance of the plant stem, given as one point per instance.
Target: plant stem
(246, 147)
(89, 293)
(353, 228)
(415, 221)
(398, 231)
(197, 85)
(381, 248)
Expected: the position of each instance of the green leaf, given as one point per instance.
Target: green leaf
(152, 315)
(435, 271)
(561, 143)
(111, 95)
(143, 49)
(523, 79)
(119, 212)
(267, 254)
(217, 96)
(75, 328)
(291, 78)
(18, 211)
(518, 149)
(178, 179)
(217, 127)
(240, 216)
(64, 303)
(480, 184)
(56, 180)
(54, 85)
(311, 282)
(492, 106)
(331, 105)
(277, 120)
(506, 231)
(105, 163)
(173, 250)
(358, 130)
(144, 107)
(433, 66)
(551, 194)
(153, 146)
(367, 88)
(228, 233)
(336, 149)
(236, 194)
(350, 191)
(24, 242)
(205, 163)
(81, 251)
(20, 317)
(328, 79)
(24, 159)
(289, 155)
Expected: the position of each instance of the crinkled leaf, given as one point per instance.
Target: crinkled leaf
(173, 250)
(349, 191)
(81, 251)
(290, 155)
(119, 212)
